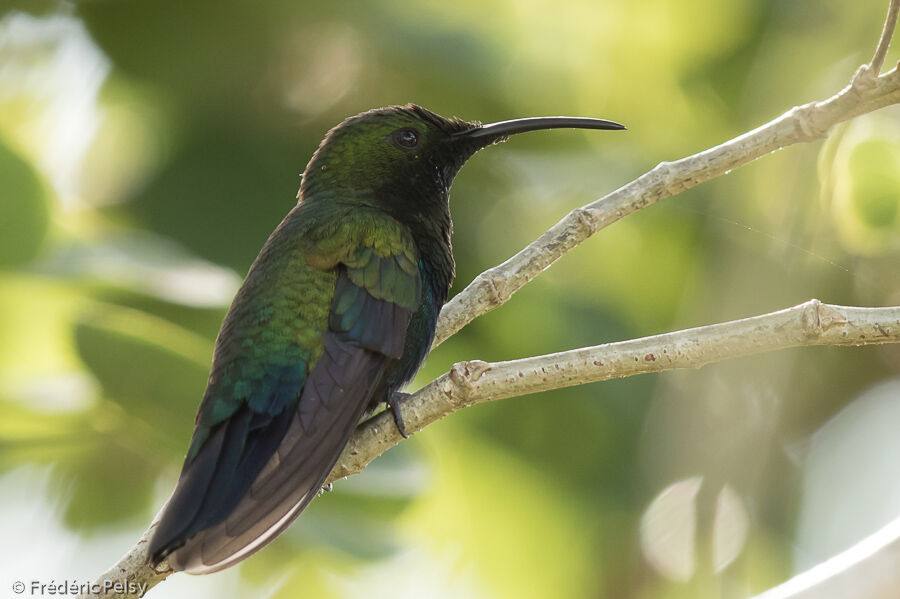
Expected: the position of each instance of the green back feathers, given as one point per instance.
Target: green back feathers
(273, 333)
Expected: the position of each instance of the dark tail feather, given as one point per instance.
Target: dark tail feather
(184, 506)
(332, 402)
(212, 484)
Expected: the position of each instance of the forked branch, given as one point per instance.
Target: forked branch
(469, 383)
(867, 91)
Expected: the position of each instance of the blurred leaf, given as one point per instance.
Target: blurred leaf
(104, 468)
(669, 529)
(24, 210)
(640, 268)
(729, 528)
(864, 183)
(535, 496)
(671, 524)
(524, 535)
(33, 436)
(34, 7)
(352, 534)
(145, 264)
(852, 469)
(875, 188)
(311, 573)
(154, 369)
(219, 197)
(109, 485)
(35, 320)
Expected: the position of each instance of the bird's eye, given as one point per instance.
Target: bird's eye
(405, 138)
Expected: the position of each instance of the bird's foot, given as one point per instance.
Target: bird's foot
(393, 403)
(326, 489)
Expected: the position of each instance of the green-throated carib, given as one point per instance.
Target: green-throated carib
(336, 314)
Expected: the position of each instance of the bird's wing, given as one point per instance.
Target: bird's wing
(262, 452)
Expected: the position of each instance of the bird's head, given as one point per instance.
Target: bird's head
(404, 158)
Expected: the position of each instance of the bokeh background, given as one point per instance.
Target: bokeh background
(147, 148)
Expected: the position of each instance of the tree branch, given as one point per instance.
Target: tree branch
(887, 33)
(469, 383)
(866, 92)
(474, 382)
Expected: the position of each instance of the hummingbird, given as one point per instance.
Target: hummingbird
(335, 316)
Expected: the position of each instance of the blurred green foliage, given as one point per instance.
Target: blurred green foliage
(24, 214)
(147, 149)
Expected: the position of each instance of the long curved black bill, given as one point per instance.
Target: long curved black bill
(504, 128)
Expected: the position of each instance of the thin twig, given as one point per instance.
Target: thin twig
(805, 123)
(475, 382)
(468, 383)
(890, 22)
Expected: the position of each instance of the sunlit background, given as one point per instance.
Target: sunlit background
(147, 148)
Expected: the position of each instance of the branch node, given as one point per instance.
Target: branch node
(462, 385)
(663, 172)
(804, 120)
(463, 376)
(811, 319)
(864, 79)
(488, 287)
(586, 220)
(818, 317)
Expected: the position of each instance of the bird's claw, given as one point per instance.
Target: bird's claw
(326, 489)
(393, 403)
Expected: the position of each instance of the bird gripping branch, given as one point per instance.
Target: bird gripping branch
(335, 316)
